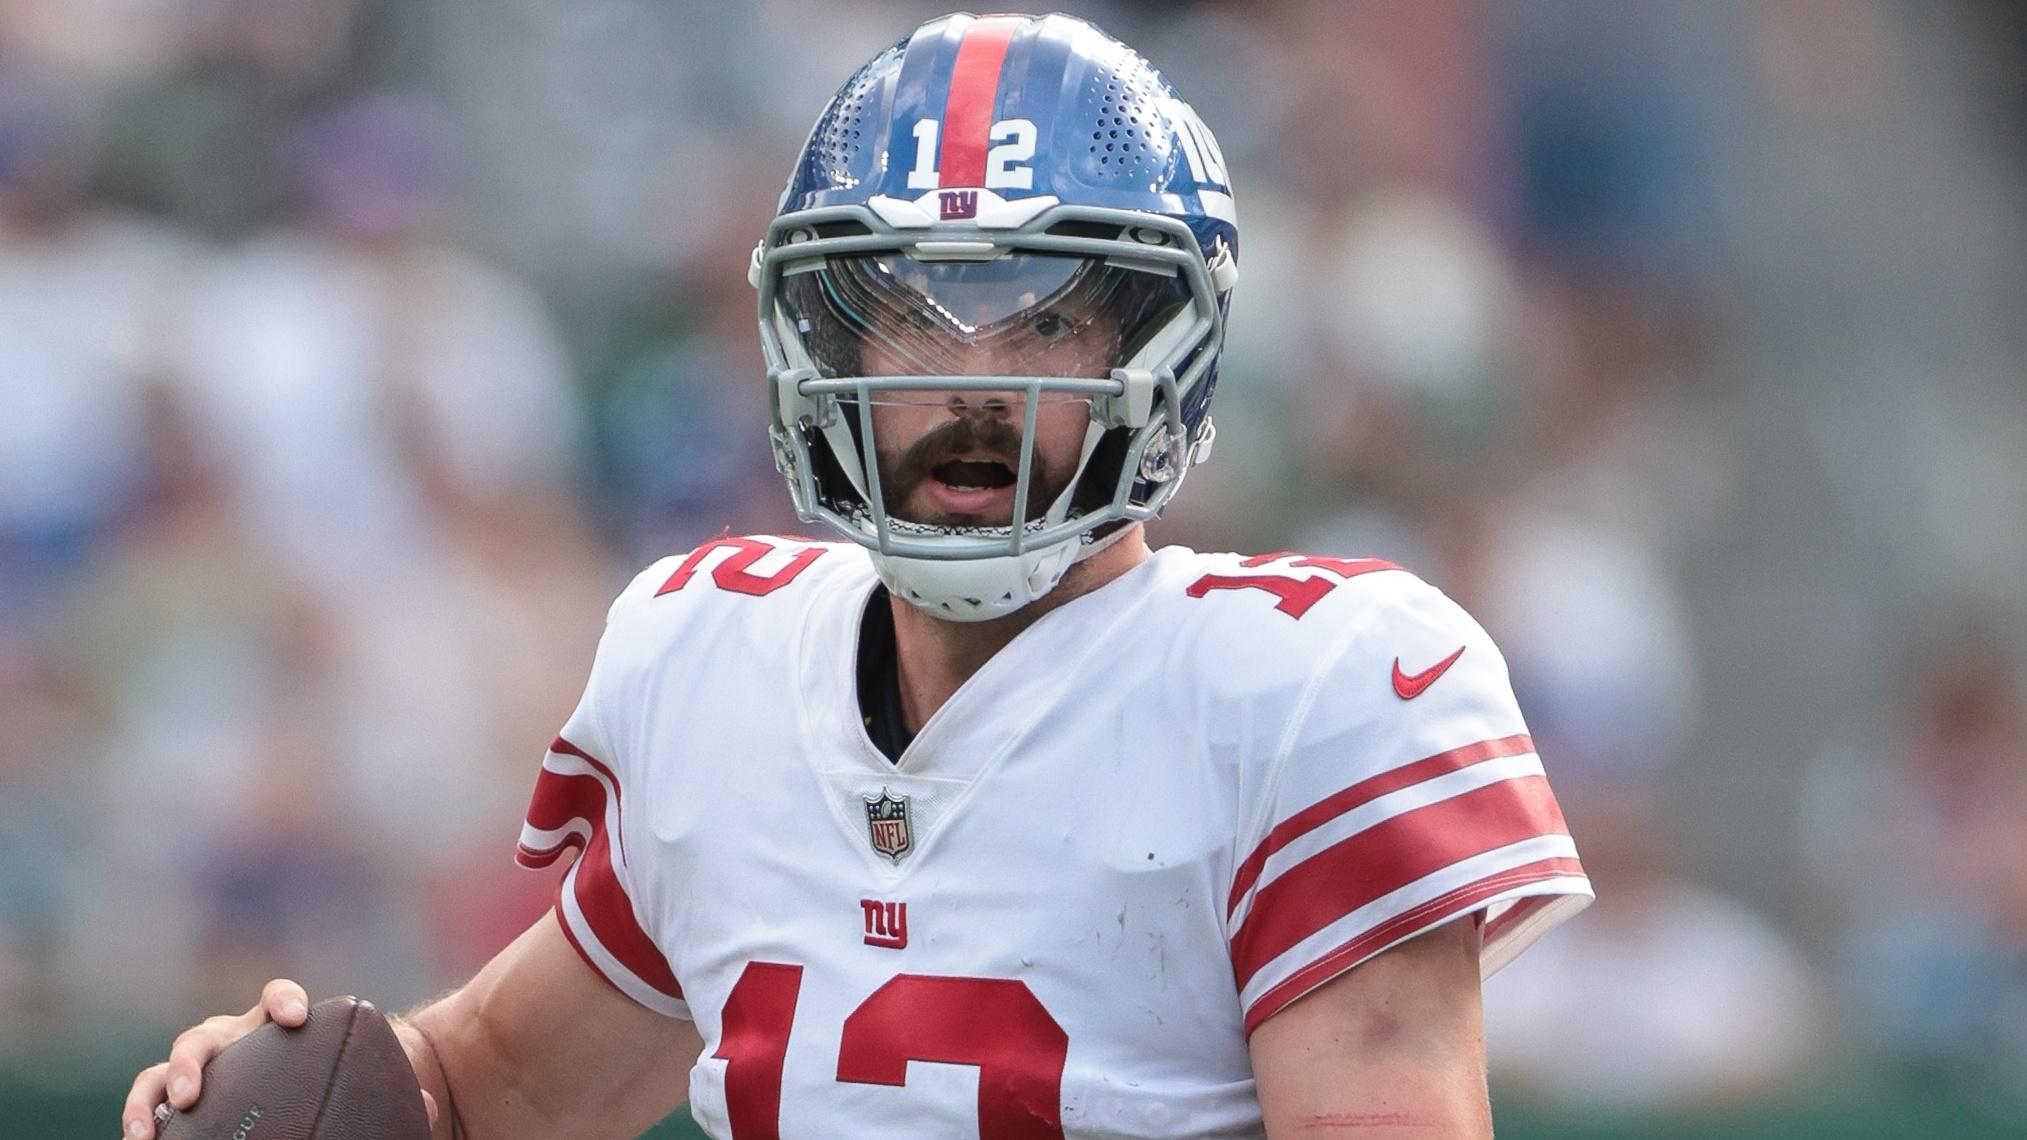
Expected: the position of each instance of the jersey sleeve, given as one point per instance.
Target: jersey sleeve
(1405, 793)
(580, 811)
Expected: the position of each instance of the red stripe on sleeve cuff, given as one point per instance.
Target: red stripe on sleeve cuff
(1429, 915)
(575, 804)
(1386, 857)
(1358, 795)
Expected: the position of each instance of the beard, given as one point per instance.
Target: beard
(903, 472)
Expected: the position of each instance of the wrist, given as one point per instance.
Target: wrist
(420, 1045)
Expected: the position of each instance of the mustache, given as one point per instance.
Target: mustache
(901, 474)
(965, 434)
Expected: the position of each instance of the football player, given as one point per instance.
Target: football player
(981, 818)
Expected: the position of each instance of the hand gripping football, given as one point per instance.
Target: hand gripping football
(341, 1075)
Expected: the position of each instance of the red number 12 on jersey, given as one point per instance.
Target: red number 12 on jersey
(1296, 594)
(736, 572)
(996, 1024)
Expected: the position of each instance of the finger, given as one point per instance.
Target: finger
(429, 1106)
(284, 1001)
(137, 1117)
(193, 1048)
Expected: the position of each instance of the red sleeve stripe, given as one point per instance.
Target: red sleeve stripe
(1386, 857)
(597, 908)
(611, 974)
(562, 747)
(1513, 868)
(1360, 794)
(561, 797)
(974, 90)
(577, 804)
(1400, 802)
(1405, 925)
(567, 806)
(560, 816)
(538, 857)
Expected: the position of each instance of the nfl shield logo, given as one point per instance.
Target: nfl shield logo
(887, 822)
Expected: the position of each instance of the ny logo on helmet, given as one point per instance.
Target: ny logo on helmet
(958, 205)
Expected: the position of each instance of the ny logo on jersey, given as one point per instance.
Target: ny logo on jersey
(886, 923)
(887, 824)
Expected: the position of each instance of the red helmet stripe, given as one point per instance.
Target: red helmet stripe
(974, 89)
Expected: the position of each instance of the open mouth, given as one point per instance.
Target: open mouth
(973, 474)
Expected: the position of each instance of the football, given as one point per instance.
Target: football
(341, 1075)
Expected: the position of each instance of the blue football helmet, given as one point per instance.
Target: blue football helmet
(998, 188)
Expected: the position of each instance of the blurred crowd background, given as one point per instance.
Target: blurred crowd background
(354, 352)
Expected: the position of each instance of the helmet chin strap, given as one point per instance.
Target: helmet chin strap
(982, 589)
(1100, 545)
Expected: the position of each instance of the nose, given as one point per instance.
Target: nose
(992, 405)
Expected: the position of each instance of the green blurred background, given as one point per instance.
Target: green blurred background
(354, 352)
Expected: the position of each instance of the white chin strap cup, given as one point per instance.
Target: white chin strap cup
(981, 589)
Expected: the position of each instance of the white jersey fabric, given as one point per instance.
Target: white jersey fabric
(1166, 810)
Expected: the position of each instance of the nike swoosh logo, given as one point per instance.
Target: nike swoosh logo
(1408, 686)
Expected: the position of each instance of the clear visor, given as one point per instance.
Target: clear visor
(1021, 314)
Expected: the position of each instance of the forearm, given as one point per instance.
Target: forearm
(482, 1090)
(537, 1045)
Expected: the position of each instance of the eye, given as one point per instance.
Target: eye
(1051, 327)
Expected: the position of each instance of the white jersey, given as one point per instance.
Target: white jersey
(1166, 810)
